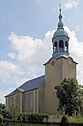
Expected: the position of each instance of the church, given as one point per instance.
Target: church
(39, 95)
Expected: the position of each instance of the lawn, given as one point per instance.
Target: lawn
(76, 120)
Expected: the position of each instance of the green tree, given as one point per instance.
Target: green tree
(14, 112)
(69, 95)
(81, 97)
(1, 118)
(6, 113)
(2, 106)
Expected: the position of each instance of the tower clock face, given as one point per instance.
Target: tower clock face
(53, 62)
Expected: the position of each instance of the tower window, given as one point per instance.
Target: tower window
(61, 45)
(55, 46)
(66, 46)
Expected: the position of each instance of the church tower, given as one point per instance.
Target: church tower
(58, 67)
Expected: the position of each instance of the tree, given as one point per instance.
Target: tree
(69, 95)
(6, 113)
(81, 108)
(14, 112)
(2, 106)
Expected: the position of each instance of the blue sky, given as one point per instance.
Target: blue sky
(26, 30)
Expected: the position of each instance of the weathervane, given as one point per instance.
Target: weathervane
(60, 15)
(60, 5)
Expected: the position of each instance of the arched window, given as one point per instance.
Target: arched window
(66, 46)
(61, 45)
(55, 46)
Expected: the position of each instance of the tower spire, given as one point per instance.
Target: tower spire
(60, 39)
(60, 24)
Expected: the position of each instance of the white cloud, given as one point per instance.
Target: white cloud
(12, 55)
(31, 53)
(71, 4)
(10, 73)
(2, 99)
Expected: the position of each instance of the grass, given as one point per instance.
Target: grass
(75, 120)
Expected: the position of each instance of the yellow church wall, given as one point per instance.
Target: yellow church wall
(10, 102)
(41, 97)
(26, 101)
(32, 101)
(55, 71)
(14, 101)
(52, 73)
(69, 68)
(38, 100)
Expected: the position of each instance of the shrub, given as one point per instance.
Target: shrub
(32, 117)
(1, 118)
(36, 118)
(6, 114)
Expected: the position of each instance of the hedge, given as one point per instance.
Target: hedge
(32, 117)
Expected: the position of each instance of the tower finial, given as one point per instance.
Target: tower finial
(60, 24)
